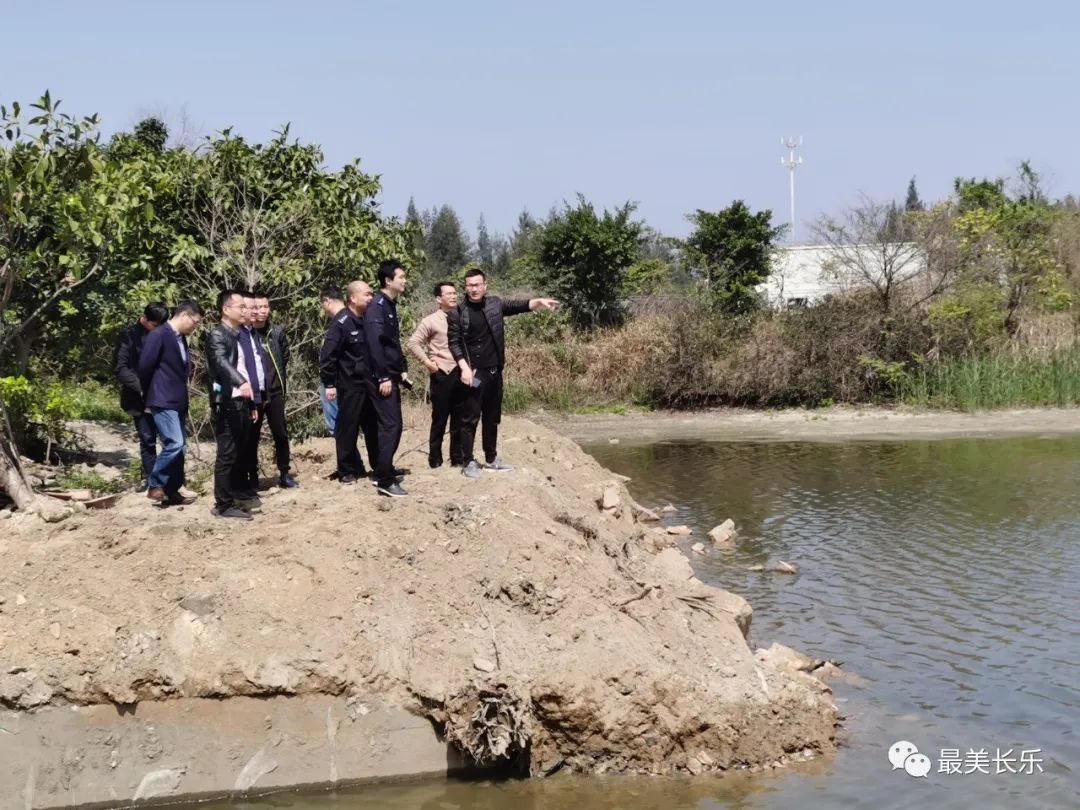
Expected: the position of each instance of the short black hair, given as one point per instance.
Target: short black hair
(188, 306)
(156, 312)
(247, 293)
(475, 271)
(331, 294)
(437, 291)
(387, 270)
(225, 296)
(259, 294)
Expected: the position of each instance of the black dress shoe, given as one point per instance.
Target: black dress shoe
(288, 482)
(234, 512)
(347, 479)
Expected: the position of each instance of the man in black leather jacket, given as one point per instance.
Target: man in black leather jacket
(126, 370)
(275, 348)
(230, 401)
(477, 338)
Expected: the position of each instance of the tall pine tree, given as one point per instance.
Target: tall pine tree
(912, 202)
(447, 244)
(485, 247)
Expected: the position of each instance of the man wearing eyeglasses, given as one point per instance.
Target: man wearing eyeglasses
(477, 337)
(231, 397)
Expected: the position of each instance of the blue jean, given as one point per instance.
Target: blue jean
(168, 472)
(329, 410)
(144, 426)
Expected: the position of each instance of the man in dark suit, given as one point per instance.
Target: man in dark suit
(126, 370)
(164, 371)
(274, 347)
(232, 402)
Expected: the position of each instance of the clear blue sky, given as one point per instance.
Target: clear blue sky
(495, 106)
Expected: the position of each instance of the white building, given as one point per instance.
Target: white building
(805, 274)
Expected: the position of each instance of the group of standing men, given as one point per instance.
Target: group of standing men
(246, 361)
(362, 369)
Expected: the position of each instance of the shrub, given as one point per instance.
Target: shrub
(38, 415)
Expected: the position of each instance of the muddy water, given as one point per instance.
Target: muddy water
(945, 575)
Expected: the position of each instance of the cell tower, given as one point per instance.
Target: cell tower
(791, 162)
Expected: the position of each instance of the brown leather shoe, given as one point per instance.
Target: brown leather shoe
(156, 494)
(176, 499)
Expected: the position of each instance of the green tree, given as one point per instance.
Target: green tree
(447, 245)
(152, 133)
(986, 195)
(1007, 242)
(732, 250)
(416, 227)
(585, 256)
(912, 201)
(66, 212)
(485, 247)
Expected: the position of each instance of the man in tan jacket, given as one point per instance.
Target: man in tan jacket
(429, 345)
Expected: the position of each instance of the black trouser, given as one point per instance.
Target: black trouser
(388, 414)
(275, 418)
(483, 403)
(446, 394)
(355, 413)
(232, 424)
(247, 469)
(144, 426)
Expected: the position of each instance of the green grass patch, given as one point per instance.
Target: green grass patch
(1005, 380)
(94, 402)
(76, 478)
(613, 408)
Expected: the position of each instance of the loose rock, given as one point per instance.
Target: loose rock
(724, 533)
(610, 499)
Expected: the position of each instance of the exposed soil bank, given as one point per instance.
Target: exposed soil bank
(825, 424)
(338, 634)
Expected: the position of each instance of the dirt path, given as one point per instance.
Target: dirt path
(826, 424)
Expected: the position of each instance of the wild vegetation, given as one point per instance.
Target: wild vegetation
(967, 302)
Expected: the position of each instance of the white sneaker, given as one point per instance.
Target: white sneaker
(498, 465)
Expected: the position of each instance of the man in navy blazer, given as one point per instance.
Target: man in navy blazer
(126, 370)
(164, 371)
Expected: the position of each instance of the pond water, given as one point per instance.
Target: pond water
(945, 575)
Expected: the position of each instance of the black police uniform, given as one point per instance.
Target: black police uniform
(344, 365)
(387, 365)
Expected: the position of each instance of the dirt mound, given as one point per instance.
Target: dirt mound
(527, 614)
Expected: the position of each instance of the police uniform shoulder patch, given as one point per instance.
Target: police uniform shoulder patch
(344, 317)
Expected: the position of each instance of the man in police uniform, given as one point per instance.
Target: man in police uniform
(388, 369)
(345, 370)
